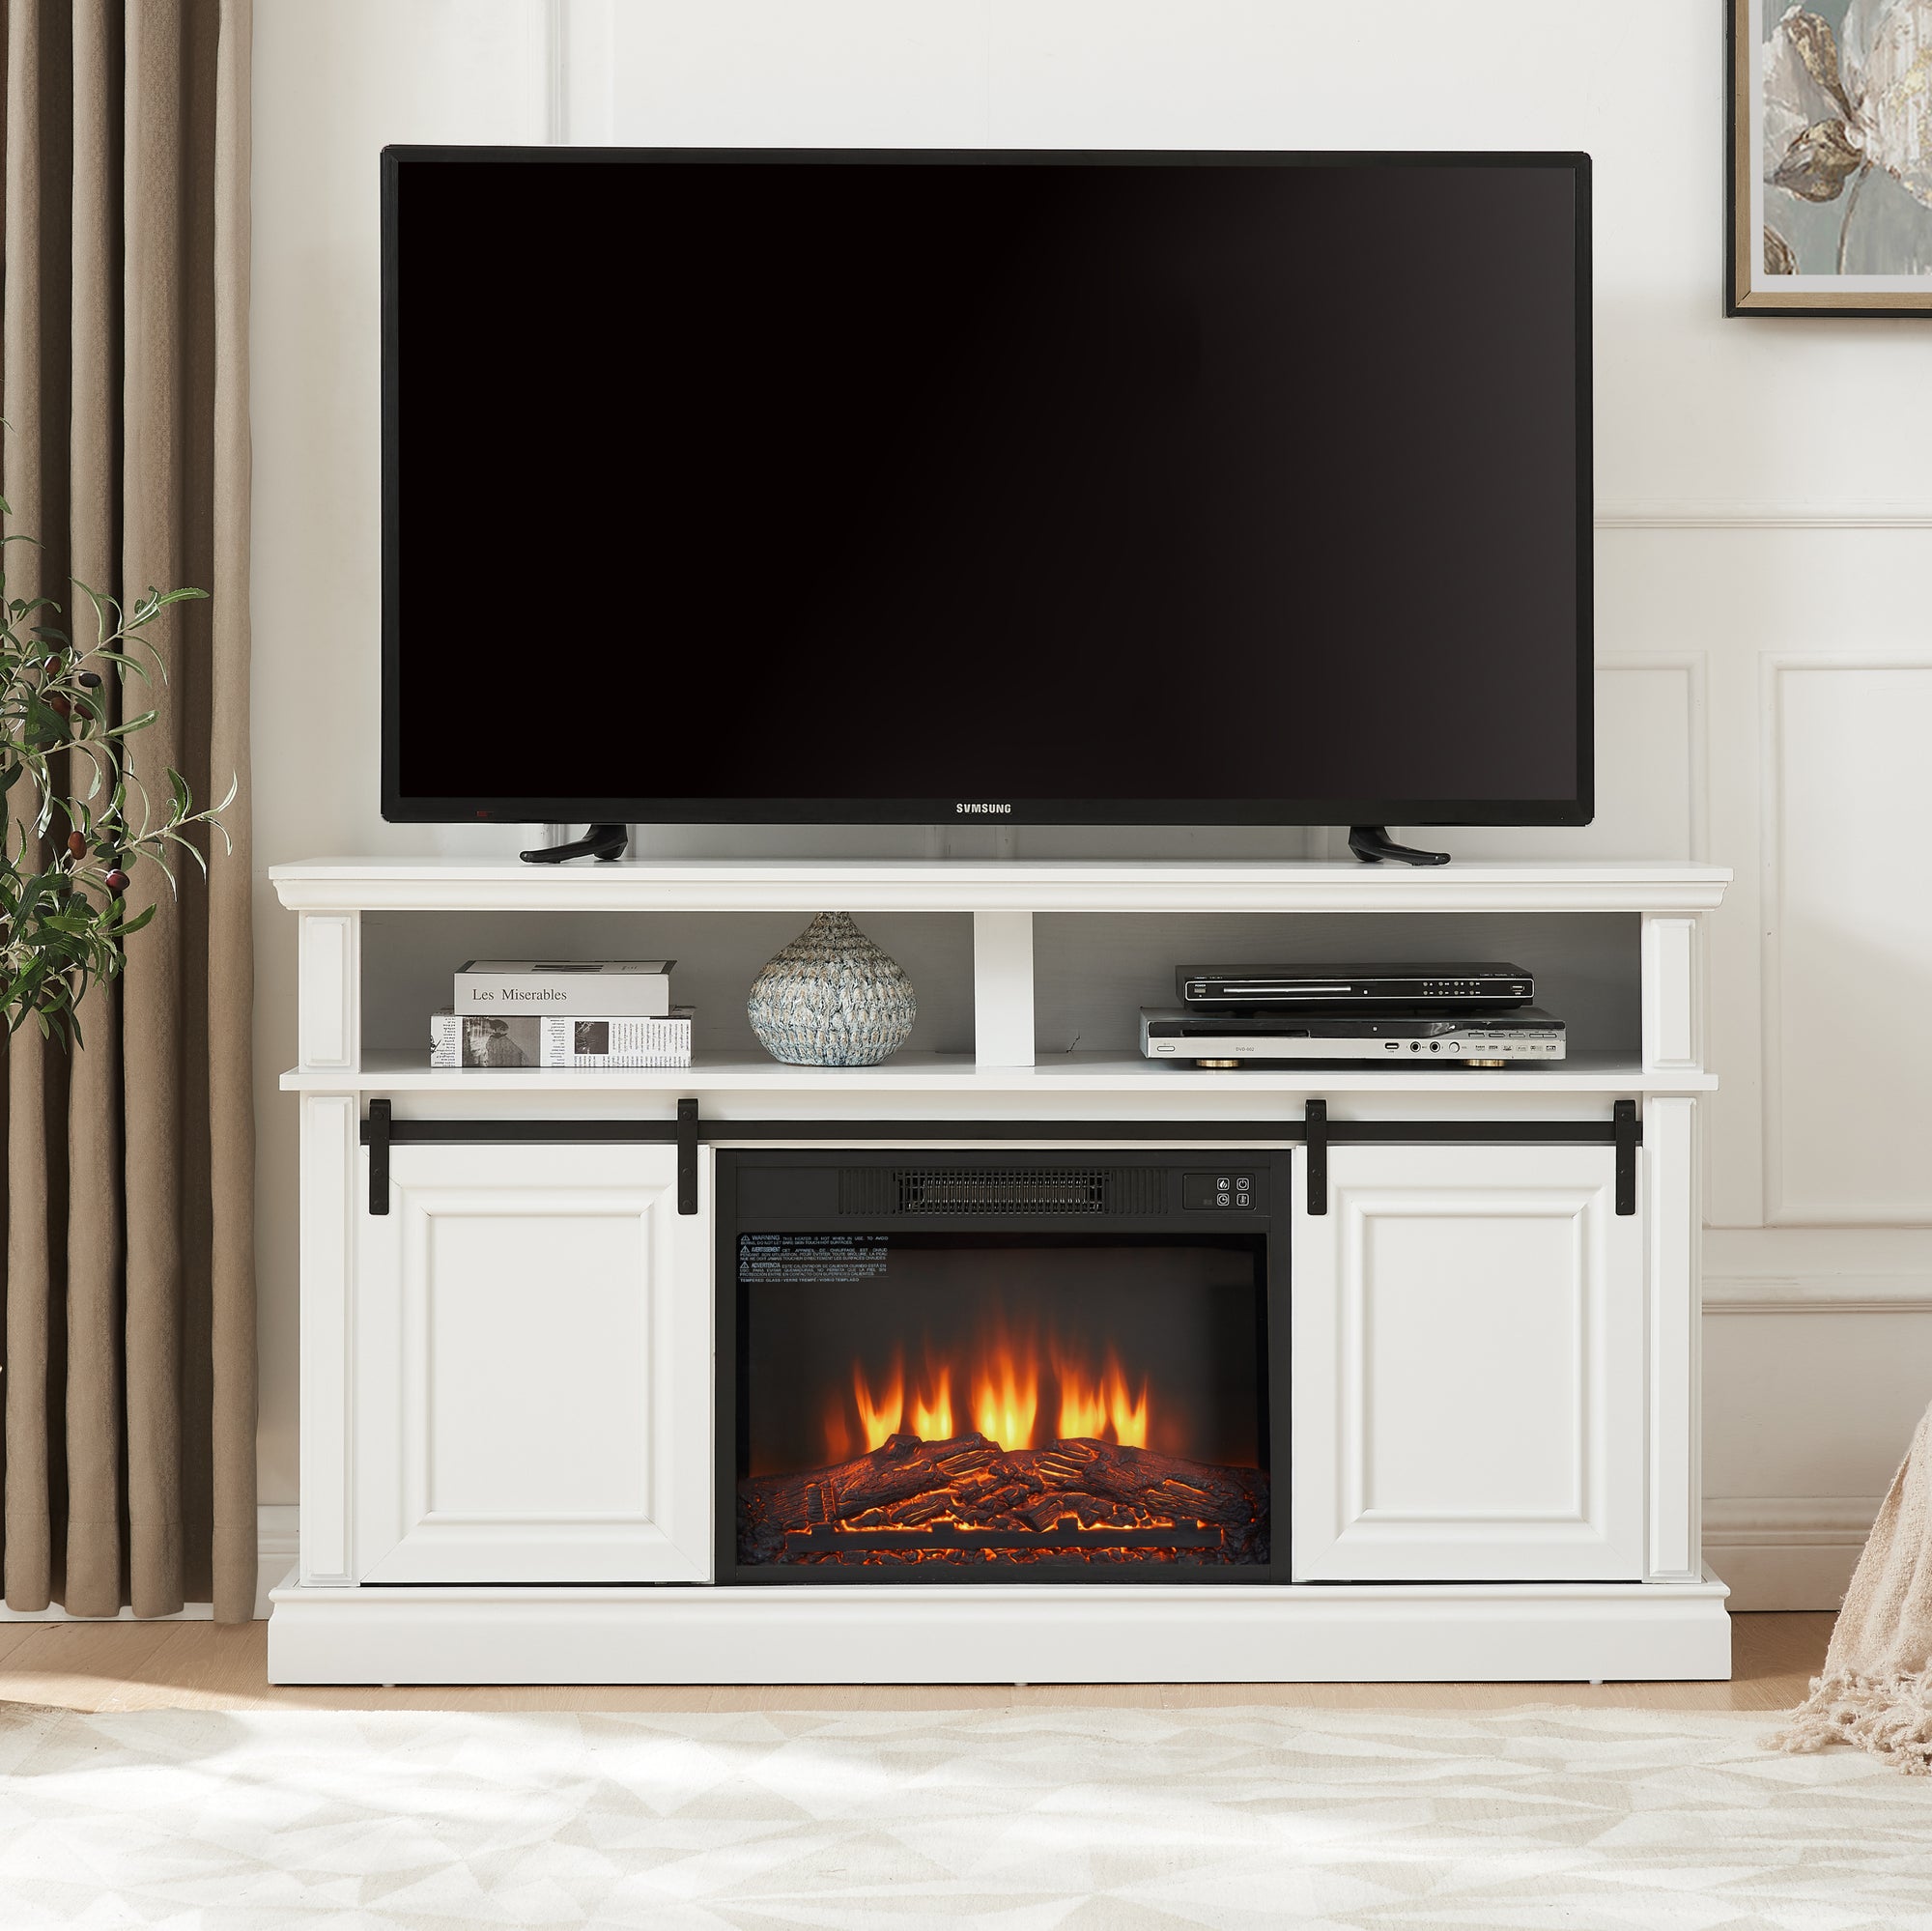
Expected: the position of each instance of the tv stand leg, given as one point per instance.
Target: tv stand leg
(1372, 843)
(600, 841)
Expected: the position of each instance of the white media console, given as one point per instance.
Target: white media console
(509, 1453)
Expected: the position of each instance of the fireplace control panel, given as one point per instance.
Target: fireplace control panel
(1229, 1189)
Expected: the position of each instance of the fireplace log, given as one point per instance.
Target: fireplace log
(920, 1509)
(1089, 1512)
(907, 1483)
(1166, 1484)
(997, 1501)
(903, 1468)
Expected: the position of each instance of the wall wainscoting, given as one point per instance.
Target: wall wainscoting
(1903, 513)
(1839, 1294)
(1815, 1343)
(275, 1550)
(1786, 1552)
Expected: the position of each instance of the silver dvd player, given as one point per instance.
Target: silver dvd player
(1194, 1037)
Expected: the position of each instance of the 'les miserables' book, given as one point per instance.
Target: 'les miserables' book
(595, 988)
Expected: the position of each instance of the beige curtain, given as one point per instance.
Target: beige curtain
(128, 1336)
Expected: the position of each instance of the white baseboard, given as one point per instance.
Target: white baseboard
(275, 1550)
(1786, 1552)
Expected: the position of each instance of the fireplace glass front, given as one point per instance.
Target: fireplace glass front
(975, 1401)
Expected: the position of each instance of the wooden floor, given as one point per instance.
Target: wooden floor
(209, 1667)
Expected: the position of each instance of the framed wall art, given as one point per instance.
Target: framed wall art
(1829, 158)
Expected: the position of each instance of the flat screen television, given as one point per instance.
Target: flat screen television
(870, 487)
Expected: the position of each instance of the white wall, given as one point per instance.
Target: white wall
(1764, 549)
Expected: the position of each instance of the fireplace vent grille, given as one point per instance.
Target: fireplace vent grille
(954, 1191)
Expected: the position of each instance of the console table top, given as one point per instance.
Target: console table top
(979, 885)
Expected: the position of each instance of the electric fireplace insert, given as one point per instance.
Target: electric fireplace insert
(1001, 1366)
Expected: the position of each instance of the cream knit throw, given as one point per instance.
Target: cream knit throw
(1876, 1690)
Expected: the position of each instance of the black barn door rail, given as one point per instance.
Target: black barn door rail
(1622, 1130)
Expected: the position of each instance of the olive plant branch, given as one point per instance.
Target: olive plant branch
(63, 921)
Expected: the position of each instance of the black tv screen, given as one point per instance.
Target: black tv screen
(1046, 488)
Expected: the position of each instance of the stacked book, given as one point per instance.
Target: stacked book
(582, 1014)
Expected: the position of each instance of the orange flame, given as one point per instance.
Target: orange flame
(1006, 1397)
(931, 1419)
(886, 1410)
(1002, 1375)
(1100, 1406)
(879, 1415)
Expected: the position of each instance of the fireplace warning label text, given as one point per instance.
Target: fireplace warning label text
(809, 1258)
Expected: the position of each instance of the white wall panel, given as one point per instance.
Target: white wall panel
(1848, 942)
(1810, 1398)
(1811, 1404)
(1830, 1267)
(1744, 595)
(1651, 773)
(772, 73)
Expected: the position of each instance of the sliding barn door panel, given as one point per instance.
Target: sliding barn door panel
(533, 1339)
(1467, 1368)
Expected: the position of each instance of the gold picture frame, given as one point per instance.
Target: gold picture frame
(1842, 91)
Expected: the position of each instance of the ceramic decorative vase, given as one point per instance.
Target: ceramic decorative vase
(832, 998)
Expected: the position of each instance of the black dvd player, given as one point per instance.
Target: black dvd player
(1481, 985)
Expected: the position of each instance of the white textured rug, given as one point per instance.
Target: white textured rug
(1023, 1819)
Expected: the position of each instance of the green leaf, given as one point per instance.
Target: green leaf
(61, 931)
